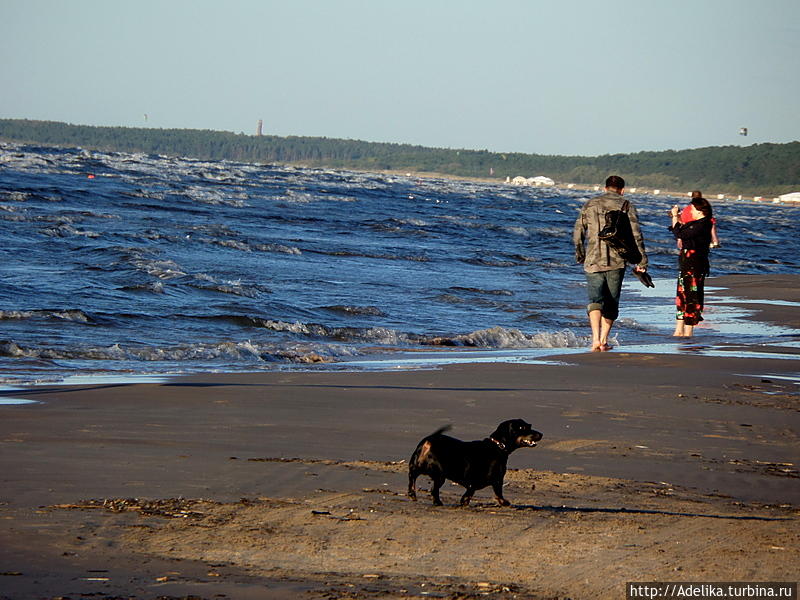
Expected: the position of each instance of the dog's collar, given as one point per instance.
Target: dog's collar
(500, 444)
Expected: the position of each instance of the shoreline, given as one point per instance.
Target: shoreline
(653, 467)
(752, 293)
(771, 298)
(715, 196)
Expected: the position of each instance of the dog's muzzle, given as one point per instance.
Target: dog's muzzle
(529, 440)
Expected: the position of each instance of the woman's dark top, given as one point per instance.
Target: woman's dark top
(695, 239)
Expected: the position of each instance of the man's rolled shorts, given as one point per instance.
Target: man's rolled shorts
(603, 289)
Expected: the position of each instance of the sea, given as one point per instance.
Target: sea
(130, 265)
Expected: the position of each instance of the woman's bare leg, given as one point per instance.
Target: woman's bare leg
(679, 328)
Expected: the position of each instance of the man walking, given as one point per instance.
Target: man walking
(604, 267)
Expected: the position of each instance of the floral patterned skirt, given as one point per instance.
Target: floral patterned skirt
(689, 297)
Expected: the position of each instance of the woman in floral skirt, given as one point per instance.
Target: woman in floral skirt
(694, 240)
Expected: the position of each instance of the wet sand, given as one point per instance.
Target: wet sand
(284, 485)
(754, 292)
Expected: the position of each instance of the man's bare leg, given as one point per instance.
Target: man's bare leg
(601, 328)
(605, 329)
(595, 320)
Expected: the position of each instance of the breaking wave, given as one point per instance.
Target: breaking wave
(504, 338)
(246, 351)
(76, 316)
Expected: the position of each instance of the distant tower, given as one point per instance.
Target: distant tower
(258, 128)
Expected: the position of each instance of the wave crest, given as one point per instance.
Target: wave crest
(509, 338)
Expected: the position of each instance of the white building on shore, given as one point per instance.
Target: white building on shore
(793, 197)
(539, 181)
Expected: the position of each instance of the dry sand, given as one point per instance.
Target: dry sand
(286, 485)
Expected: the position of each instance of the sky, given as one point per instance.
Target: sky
(569, 77)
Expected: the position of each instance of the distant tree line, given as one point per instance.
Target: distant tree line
(760, 168)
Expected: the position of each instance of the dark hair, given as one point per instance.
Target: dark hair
(615, 182)
(697, 194)
(703, 206)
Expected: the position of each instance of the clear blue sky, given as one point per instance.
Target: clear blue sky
(582, 77)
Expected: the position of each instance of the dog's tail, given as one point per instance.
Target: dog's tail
(440, 431)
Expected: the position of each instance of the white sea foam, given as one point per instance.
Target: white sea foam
(163, 269)
(247, 351)
(509, 338)
(521, 231)
(155, 287)
(214, 197)
(277, 248)
(77, 316)
(65, 230)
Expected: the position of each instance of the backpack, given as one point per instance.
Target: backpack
(619, 236)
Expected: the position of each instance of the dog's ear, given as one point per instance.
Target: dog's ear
(504, 431)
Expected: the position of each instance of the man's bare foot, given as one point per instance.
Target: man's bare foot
(606, 348)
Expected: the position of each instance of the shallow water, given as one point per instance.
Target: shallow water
(122, 264)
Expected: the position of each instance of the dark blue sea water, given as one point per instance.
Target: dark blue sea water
(126, 263)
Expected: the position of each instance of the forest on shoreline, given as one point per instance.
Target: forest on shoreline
(766, 169)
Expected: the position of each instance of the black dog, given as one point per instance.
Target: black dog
(474, 465)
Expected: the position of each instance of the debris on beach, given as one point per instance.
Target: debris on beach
(174, 508)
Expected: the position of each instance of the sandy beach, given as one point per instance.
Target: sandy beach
(668, 467)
